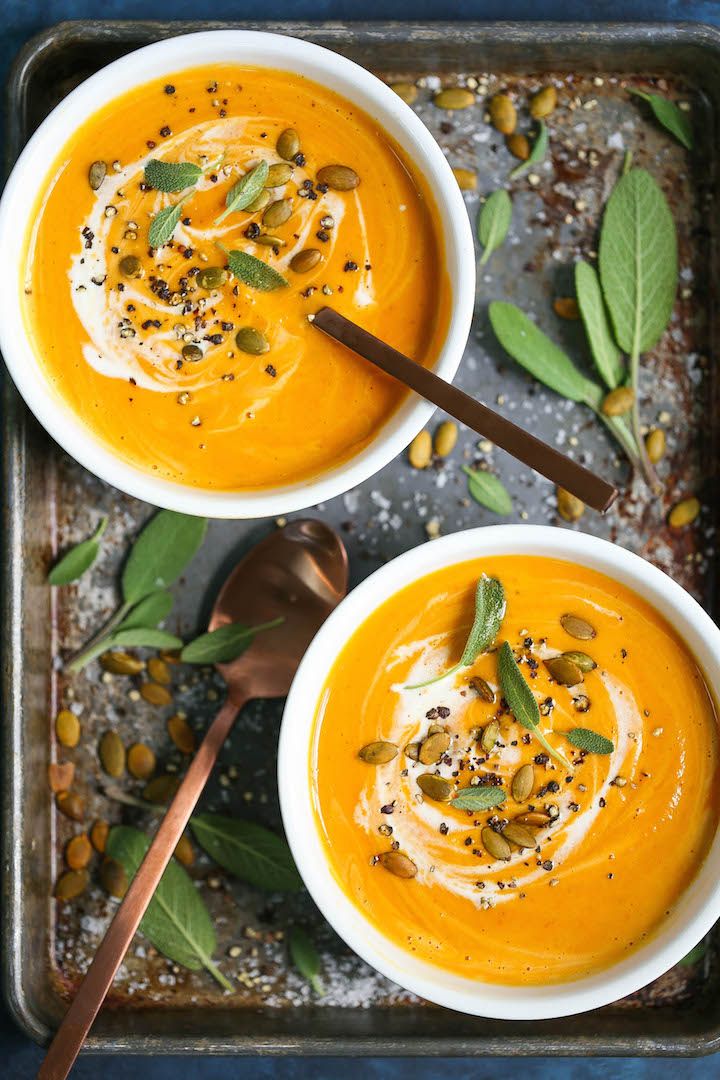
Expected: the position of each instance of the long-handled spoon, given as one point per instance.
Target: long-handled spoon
(299, 574)
(545, 459)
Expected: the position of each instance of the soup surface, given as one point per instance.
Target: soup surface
(605, 847)
(143, 343)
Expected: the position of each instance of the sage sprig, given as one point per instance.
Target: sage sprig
(488, 490)
(224, 644)
(590, 741)
(245, 190)
(605, 352)
(493, 223)
(248, 851)
(305, 957)
(79, 559)
(521, 700)
(537, 153)
(171, 176)
(254, 272)
(669, 115)
(177, 921)
(479, 798)
(164, 223)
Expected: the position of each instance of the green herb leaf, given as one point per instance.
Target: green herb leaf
(224, 644)
(254, 272)
(245, 191)
(163, 225)
(538, 152)
(638, 261)
(79, 559)
(145, 637)
(160, 554)
(670, 116)
(176, 921)
(521, 700)
(305, 957)
(149, 612)
(534, 351)
(695, 954)
(607, 356)
(493, 222)
(478, 798)
(590, 741)
(487, 490)
(247, 851)
(169, 176)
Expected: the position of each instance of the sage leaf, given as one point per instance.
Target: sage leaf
(224, 644)
(493, 223)
(248, 851)
(149, 612)
(588, 740)
(245, 190)
(160, 554)
(170, 176)
(254, 272)
(163, 225)
(145, 637)
(487, 490)
(669, 115)
(695, 954)
(79, 559)
(537, 154)
(606, 354)
(305, 957)
(478, 798)
(534, 351)
(638, 261)
(176, 921)
(521, 700)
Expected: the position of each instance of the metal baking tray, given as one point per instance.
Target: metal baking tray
(49, 502)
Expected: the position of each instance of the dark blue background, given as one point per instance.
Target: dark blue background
(20, 20)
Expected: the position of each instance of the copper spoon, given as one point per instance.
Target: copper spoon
(545, 459)
(298, 573)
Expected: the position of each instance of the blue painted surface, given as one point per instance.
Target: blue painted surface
(20, 1058)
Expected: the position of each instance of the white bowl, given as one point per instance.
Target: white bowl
(29, 177)
(698, 907)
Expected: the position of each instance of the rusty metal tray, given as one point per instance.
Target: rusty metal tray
(49, 502)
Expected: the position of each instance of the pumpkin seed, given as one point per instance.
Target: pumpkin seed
(581, 659)
(155, 694)
(67, 728)
(96, 174)
(141, 761)
(577, 627)
(483, 690)
(211, 277)
(420, 450)
(158, 670)
(564, 671)
(378, 753)
(519, 835)
(161, 789)
(570, 508)
(113, 878)
(78, 852)
(99, 835)
(684, 513)
(184, 851)
(268, 240)
(192, 353)
(112, 754)
(445, 438)
(435, 787)
(412, 750)
(121, 663)
(258, 204)
(655, 445)
(489, 736)
(454, 97)
(305, 260)
(278, 175)
(70, 804)
(619, 401)
(288, 144)
(535, 818)
(61, 776)
(131, 267)
(277, 213)
(71, 884)
(252, 341)
(519, 146)
(397, 863)
(495, 844)
(581, 703)
(566, 307)
(466, 179)
(523, 783)
(433, 748)
(407, 91)
(435, 729)
(338, 177)
(503, 116)
(543, 103)
(181, 733)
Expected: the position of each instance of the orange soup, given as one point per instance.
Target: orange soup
(575, 833)
(168, 291)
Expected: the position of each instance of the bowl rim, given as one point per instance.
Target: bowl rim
(698, 907)
(169, 56)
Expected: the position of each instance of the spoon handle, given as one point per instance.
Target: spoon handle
(545, 459)
(98, 979)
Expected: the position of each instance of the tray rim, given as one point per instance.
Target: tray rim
(14, 447)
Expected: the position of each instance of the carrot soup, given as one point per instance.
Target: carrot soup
(515, 770)
(186, 235)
